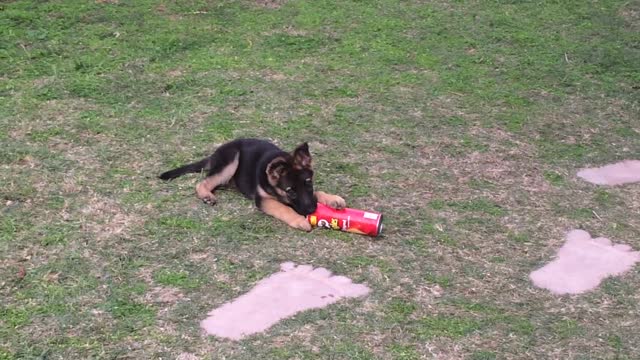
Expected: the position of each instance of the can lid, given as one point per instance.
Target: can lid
(380, 226)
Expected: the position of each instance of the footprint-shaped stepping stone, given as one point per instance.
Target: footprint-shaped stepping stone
(623, 172)
(582, 263)
(281, 295)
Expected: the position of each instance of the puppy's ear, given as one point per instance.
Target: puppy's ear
(276, 169)
(302, 157)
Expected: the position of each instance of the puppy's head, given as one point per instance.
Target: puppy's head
(292, 179)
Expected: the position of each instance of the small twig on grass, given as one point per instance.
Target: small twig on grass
(25, 49)
(596, 214)
(566, 58)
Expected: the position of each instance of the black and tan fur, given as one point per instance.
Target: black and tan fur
(280, 183)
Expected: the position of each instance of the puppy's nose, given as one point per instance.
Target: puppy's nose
(311, 208)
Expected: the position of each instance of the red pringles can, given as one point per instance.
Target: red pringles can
(350, 220)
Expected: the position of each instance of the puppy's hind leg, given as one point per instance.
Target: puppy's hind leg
(224, 164)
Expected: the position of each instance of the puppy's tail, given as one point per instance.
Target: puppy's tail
(189, 168)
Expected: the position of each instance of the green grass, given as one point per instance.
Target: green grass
(554, 178)
(483, 355)
(446, 326)
(464, 122)
(175, 278)
(403, 352)
(399, 310)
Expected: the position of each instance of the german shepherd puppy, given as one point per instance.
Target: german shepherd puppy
(280, 183)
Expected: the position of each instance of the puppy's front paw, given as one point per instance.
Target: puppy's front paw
(301, 223)
(209, 200)
(337, 202)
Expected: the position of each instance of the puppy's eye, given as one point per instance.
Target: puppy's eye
(290, 192)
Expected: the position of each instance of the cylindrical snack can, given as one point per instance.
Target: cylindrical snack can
(350, 220)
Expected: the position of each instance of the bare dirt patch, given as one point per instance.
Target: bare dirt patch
(164, 295)
(271, 4)
(105, 218)
(187, 356)
(630, 12)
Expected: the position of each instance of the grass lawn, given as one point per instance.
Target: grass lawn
(464, 122)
